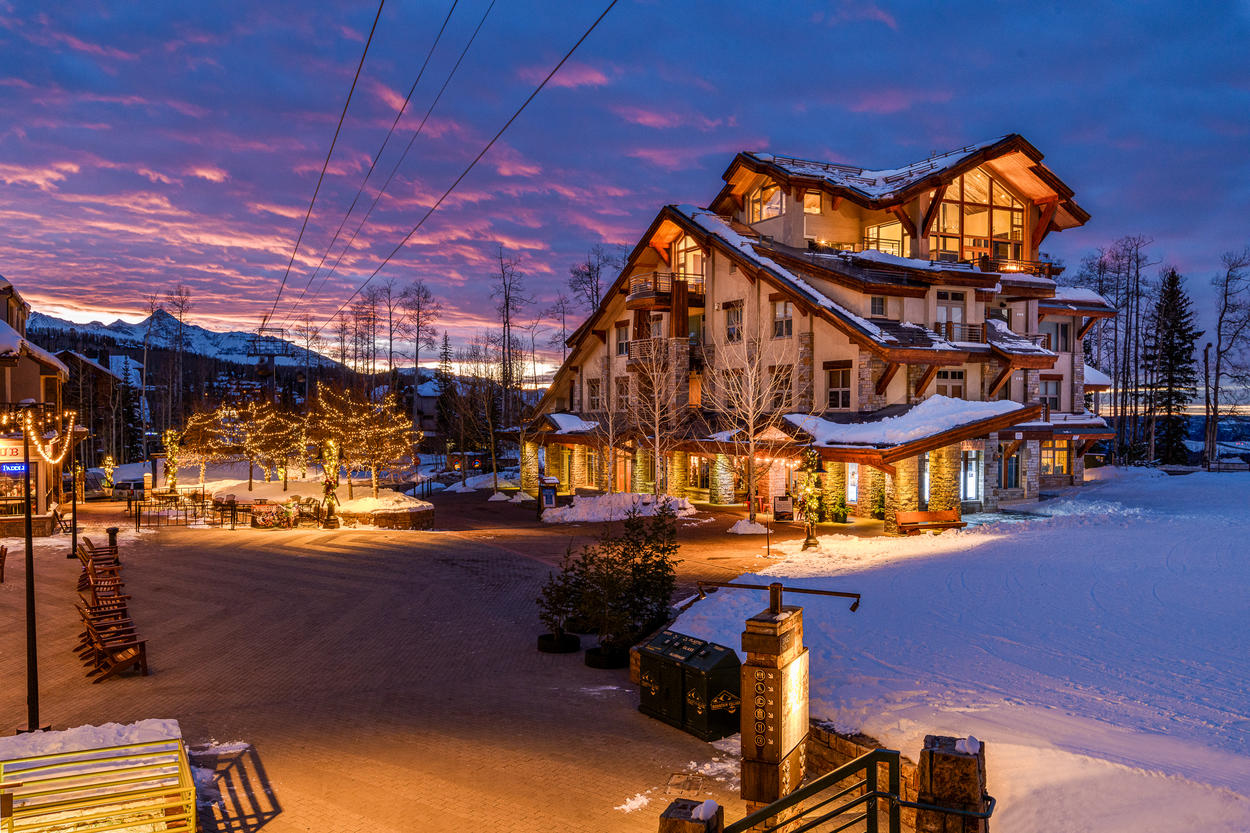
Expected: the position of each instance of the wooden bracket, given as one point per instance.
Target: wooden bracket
(923, 382)
(885, 467)
(1086, 327)
(663, 252)
(886, 376)
(903, 217)
(834, 202)
(999, 381)
(1011, 449)
(931, 214)
(1043, 221)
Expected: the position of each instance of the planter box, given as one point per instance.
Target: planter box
(421, 518)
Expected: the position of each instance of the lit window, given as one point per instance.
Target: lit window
(1054, 457)
(878, 307)
(811, 202)
(840, 389)
(1049, 391)
(783, 319)
(852, 482)
(765, 202)
(978, 218)
(888, 238)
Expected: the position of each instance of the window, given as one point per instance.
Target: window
(970, 476)
(622, 338)
(950, 307)
(811, 202)
(1054, 457)
(950, 383)
(687, 256)
(840, 389)
(765, 202)
(779, 386)
(888, 238)
(622, 393)
(877, 307)
(1049, 391)
(783, 319)
(594, 394)
(1060, 335)
(700, 474)
(978, 218)
(733, 321)
(1011, 466)
(852, 482)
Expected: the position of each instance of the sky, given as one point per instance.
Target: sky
(147, 146)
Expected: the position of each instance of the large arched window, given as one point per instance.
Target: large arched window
(978, 217)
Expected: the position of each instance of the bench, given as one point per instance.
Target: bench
(912, 523)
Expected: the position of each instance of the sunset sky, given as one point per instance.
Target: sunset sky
(148, 145)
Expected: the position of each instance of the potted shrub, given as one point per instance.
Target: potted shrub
(878, 505)
(837, 509)
(557, 605)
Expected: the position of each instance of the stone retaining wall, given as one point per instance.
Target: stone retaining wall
(828, 749)
(391, 518)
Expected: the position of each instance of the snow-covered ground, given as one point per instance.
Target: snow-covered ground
(613, 507)
(1101, 653)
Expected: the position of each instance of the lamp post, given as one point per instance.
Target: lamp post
(32, 652)
(73, 501)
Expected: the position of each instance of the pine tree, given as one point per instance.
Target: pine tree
(1172, 373)
(446, 406)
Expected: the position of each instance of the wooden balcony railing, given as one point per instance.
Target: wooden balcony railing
(959, 331)
(1041, 268)
(661, 283)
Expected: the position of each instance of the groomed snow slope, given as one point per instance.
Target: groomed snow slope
(1102, 653)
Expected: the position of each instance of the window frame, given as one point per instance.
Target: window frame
(783, 326)
(872, 306)
(733, 321)
(758, 207)
(843, 391)
(1054, 457)
(594, 395)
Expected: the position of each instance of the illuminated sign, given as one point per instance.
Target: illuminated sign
(10, 451)
(12, 469)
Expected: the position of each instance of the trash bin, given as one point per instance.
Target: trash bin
(690, 684)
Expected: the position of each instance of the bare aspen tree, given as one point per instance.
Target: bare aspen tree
(589, 279)
(421, 313)
(611, 418)
(510, 299)
(1231, 356)
(179, 300)
(561, 310)
(153, 302)
(655, 414)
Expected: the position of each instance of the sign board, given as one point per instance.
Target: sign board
(10, 450)
(783, 508)
(12, 469)
(974, 445)
(548, 496)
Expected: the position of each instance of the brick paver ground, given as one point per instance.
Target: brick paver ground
(386, 681)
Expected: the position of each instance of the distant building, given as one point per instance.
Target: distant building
(873, 293)
(94, 393)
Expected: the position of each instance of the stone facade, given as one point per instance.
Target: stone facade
(944, 472)
(641, 456)
(870, 369)
(678, 470)
(1029, 466)
(914, 372)
(1032, 385)
(529, 468)
(722, 481)
(1078, 380)
(578, 476)
(891, 504)
(905, 489)
(804, 373)
(991, 472)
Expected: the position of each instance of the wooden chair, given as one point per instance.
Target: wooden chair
(913, 523)
(63, 523)
(4, 553)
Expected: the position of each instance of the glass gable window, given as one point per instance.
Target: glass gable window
(765, 202)
(888, 238)
(978, 218)
(687, 256)
(783, 319)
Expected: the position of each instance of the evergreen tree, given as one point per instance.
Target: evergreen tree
(131, 417)
(446, 406)
(1172, 373)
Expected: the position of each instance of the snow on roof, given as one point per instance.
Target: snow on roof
(91, 362)
(1076, 296)
(907, 262)
(1096, 378)
(13, 343)
(1002, 337)
(932, 416)
(429, 387)
(874, 184)
(712, 223)
(570, 424)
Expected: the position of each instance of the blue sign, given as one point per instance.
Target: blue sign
(12, 469)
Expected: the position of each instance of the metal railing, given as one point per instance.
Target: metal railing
(647, 349)
(890, 247)
(1041, 268)
(959, 331)
(661, 283)
(1040, 339)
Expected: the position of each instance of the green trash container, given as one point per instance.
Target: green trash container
(690, 684)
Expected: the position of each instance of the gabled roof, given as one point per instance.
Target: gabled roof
(1077, 300)
(14, 345)
(66, 355)
(1010, 156)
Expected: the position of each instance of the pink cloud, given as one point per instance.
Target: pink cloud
(43, 177)
(210, 172)
(663, 120)
(894, 100)
(572, 74)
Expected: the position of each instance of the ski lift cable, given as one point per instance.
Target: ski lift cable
(324, 165)
(472, 164)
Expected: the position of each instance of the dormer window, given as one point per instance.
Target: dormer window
(811, 202)
(765, 202)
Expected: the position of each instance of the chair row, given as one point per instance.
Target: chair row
(109, 644)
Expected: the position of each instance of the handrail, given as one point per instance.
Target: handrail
(951, 811)
(661, 283)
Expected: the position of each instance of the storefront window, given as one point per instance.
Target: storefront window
(1011, 469)
(970, 476)
(852, 482)
(700, 475)
(1055, 457)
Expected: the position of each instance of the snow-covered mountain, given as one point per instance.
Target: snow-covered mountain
(232, 346)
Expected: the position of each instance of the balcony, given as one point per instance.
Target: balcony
(958, 331)
(1040, 339)
(1040, 268)
(654, 290)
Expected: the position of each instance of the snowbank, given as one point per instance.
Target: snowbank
(613, 508)
(745, 527)
(385, 500)
(1100, 652)
(87, 737)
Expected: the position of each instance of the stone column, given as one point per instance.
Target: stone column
(953, 779)
(991, 474)
(1031, 458)
(914, 372)
(902, 491)
(686, 816)
(804, 375)
(1032, 385)
(774, 703)
(944, 465)
(640, 462)
(722, 481)
(577, 468)
(1078, 380)
(869, 369)
(678, 473)
(1078, 465)
(556, 455)
(529, 468)
(871, 484)
(603, 471)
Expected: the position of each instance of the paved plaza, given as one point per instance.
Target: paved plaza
(385, 681)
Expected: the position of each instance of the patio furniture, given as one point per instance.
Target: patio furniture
(912, 523)
(4, 553)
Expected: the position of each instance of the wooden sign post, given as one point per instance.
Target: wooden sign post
(774, 702)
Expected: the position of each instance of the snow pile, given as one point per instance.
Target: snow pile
(521, 497)
(571, 424)
(636, 803)
(932, 416)
(88, 737)
(509, 478)
(746, 527)
(1101, 655)
(968, 746)
(499, 496)
(705, 811)
(1079, 295)
(386, 500)
(614, 507)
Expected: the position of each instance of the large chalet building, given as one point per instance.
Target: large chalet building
(909, 329)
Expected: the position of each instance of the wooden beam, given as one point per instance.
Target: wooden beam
(1082, 447)
(903, 217)
(1043, 221)
(885, 467)
(602, 335)
(663, 252)
(923, 382)
(1012, 448)
(886, 376)
(999, 381)
(834, 201)
(1085, 328)
(931, 214)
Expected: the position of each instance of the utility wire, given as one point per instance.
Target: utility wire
(324, 165)
(472, 164)
(403, 108)
(404, 155)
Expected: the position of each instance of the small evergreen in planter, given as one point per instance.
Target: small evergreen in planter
(558, 603)
(878, 505)
(836, 509)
